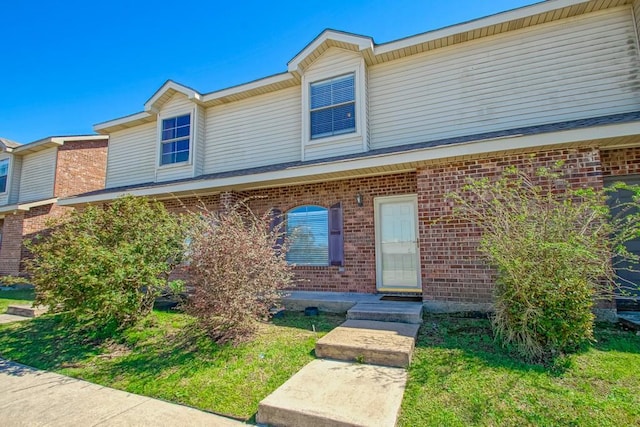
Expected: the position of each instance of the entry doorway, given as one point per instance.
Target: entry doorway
(397, 246)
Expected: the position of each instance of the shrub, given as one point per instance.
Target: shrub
(106, 264)
(236, 273)
(551, 245)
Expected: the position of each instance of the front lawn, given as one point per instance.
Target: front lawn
(460, 377)
(165, 357)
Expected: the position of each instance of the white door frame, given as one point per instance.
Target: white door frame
(377, 201)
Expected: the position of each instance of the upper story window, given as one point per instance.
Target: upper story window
(175, 140)
(4, 173)
(333, 107)
(307, 228)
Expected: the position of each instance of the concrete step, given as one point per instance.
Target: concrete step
(368, 341)
(26, 310)
(331, 393)
(387, 311)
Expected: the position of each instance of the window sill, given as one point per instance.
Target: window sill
(174, 165)
(332, 139)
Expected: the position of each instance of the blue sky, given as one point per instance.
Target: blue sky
(66, 65)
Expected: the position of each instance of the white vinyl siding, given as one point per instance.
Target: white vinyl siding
(15, 169)
(335, 62)
(38, 175)
(575, 68)
(636, 15)
(260, 131)
(132, 155)
(199, 141)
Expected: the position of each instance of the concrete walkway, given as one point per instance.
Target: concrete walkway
(333, 391)
(29, 397)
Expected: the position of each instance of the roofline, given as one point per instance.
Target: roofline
(121, 120)
(476, 24)
(170, 84)
(253, 84)
(25, 207)
(53, 141)
(363, 42)
(409, 157)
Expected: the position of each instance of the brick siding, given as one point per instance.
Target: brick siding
(452, 269)
(80, 167)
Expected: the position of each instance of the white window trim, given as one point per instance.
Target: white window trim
(9, 165)
(192, 139)
(359, 75)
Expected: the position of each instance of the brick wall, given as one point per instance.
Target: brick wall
(452, 269)
(620, 162)
(81, 167)
(358, 274)
(11, 247)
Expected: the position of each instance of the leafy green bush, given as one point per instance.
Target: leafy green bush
(236, 272)
(552, 245)
(106, 264)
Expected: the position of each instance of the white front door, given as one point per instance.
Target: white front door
(397, 254)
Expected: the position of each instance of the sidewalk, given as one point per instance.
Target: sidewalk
(29, 397)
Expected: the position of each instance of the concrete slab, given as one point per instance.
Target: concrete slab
(10, 318)
(377, 343)
(29, 397)
(387, 311)
(332, 393)
(331, 302)
(26, 310)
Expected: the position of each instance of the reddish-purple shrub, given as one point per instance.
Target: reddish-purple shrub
(237, 274)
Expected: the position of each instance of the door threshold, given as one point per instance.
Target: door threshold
(402, 298)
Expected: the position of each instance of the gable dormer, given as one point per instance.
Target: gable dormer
(180, 131)
(335, 108)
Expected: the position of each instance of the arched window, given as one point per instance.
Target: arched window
(307, 228)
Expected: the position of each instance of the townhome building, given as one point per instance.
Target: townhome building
(33, 177)
(356, 144)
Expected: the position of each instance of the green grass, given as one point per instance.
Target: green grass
(460, 377)
(20, 295)
(165, 357)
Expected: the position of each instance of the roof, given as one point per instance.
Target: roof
(588, 125)
(8, 144)
(538, 13)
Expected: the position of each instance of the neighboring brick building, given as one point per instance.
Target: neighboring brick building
(358, 143)
(32, 178)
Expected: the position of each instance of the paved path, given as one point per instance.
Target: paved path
(29, 397)
(10, 318)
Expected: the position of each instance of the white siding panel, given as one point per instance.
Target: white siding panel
(178, 105)
(200, 139)
(131, 157)
(38, 175)
(337, 148)
(577, 68)
(331, 60)
(16, 172)
(169, 173)
(254, 132)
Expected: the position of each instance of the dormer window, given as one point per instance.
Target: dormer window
(175, 145)
(333, 107)
(4, 173)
